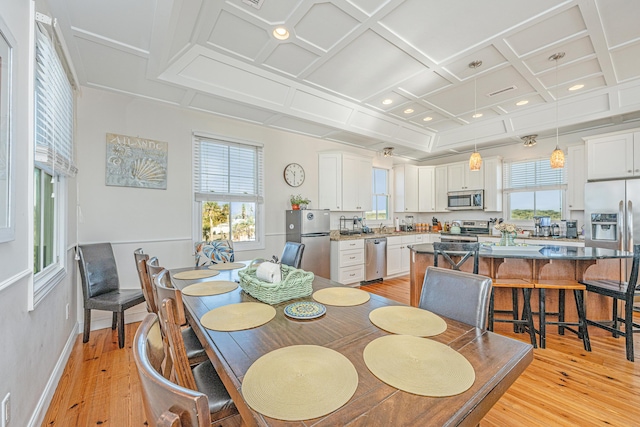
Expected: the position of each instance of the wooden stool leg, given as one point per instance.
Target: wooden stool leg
(543, 320)
(560, 311)
(582, 319)
(526, 293)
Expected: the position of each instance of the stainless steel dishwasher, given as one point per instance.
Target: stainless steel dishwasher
(375, 254)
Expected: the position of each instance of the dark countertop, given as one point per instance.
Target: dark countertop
(546, 252)
(336, 236)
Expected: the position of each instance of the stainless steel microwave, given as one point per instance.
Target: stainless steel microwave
(465, 200)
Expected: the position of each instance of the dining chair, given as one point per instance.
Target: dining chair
(457, 295)
(101, 287)
(214, 252)
(292, 254)
(163, 288)
(619, 291)
(202, 377)
(165, 403)
(463, 251)
(141, 266)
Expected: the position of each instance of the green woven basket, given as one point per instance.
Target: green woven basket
(295, 283)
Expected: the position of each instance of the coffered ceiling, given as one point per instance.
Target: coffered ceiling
(344, 58)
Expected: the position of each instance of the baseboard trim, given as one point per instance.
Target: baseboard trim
(49, 390)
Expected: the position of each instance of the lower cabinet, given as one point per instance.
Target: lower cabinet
(347, 261)
(398, 253)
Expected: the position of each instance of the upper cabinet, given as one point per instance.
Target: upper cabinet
(427, 189)
(460, 178)
(344, 182)
(613, 156)
(405, 183)
(440, 189)
(492, 168)
(576, 176)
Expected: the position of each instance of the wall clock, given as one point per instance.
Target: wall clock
(294, 174)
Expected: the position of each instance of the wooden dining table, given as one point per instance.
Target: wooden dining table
(497, 360)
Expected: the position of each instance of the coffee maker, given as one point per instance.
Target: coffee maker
(545, 226)
(572, 229)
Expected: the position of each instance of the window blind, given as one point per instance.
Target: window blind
(531, 174)
(227, 171)
(53, 110)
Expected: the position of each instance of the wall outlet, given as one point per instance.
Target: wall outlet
(66, 311)
(5, 409)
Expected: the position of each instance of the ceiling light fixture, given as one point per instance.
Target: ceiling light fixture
(281, 33)
(576, 87)
(521, 103)
(475, 161)
(387, 101)
(408, 111)
(530, 140)
(427, 119)
(387, 151)
(557, 157)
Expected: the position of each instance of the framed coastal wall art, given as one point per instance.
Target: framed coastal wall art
(136, 162)
(7, 209)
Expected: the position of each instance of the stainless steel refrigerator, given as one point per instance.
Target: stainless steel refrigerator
(612, 215)
(312, 227)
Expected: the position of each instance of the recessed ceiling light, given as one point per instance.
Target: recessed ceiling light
(408, 111)
(477, 115)
(576, 87)
(427, 119)
(387, 101)
(281, 33)
(521, 103)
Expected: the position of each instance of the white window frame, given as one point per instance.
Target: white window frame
(238, 246)
(53, 153)
(386, 194)
(562, 187)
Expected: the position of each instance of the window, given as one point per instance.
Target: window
(228, 191)
(380, 191)
(532, 188)
(53, 162)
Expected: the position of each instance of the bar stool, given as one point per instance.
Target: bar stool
(561, 286)
(520, 324)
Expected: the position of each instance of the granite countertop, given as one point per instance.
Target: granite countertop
(335, 235)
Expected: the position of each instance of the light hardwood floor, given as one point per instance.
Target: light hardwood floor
(564, 386)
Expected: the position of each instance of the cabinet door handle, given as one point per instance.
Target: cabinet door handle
(629, 171)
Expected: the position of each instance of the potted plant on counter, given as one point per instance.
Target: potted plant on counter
(298, 202)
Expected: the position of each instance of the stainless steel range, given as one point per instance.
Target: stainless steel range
(469, 231)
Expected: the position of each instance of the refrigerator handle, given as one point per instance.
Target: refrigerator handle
(630, 226)
(621, 223)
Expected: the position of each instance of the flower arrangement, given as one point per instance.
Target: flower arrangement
(507, 227)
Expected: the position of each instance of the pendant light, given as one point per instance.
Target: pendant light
(557, 157)
(475, 161)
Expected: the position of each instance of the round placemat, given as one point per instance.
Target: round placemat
(299, 382)
(227, 266)
(405, 320)
(341, 296)
(213, 287)
(236, 317)
(195, 274)
(419, 365)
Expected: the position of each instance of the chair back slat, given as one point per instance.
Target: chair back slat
(462, 250)
(168, 317)
(141, 266)
(457, 295)
(98, 270)
(292, 254)
(165, 289)
(166, 403)
(153, 269)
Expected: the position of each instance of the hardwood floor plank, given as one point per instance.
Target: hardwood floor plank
(564, 386)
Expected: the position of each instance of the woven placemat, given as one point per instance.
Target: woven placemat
(419, 365)
(405, 320)
(212, 287)
(299, 382)
(341, 296)
(195, 274)
(227, 266)
(236, 317)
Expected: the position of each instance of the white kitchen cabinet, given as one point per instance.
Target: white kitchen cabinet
(344, 182)
(576, 178)
(613, 156)
(460, 178)
(398, 254)
(492, 167)
(405, 184)
(347, 261)
(440, 176)
(426, 189)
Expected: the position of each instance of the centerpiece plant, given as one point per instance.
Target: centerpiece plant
(508, 233)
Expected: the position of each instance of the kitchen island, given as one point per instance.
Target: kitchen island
(550, 262)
